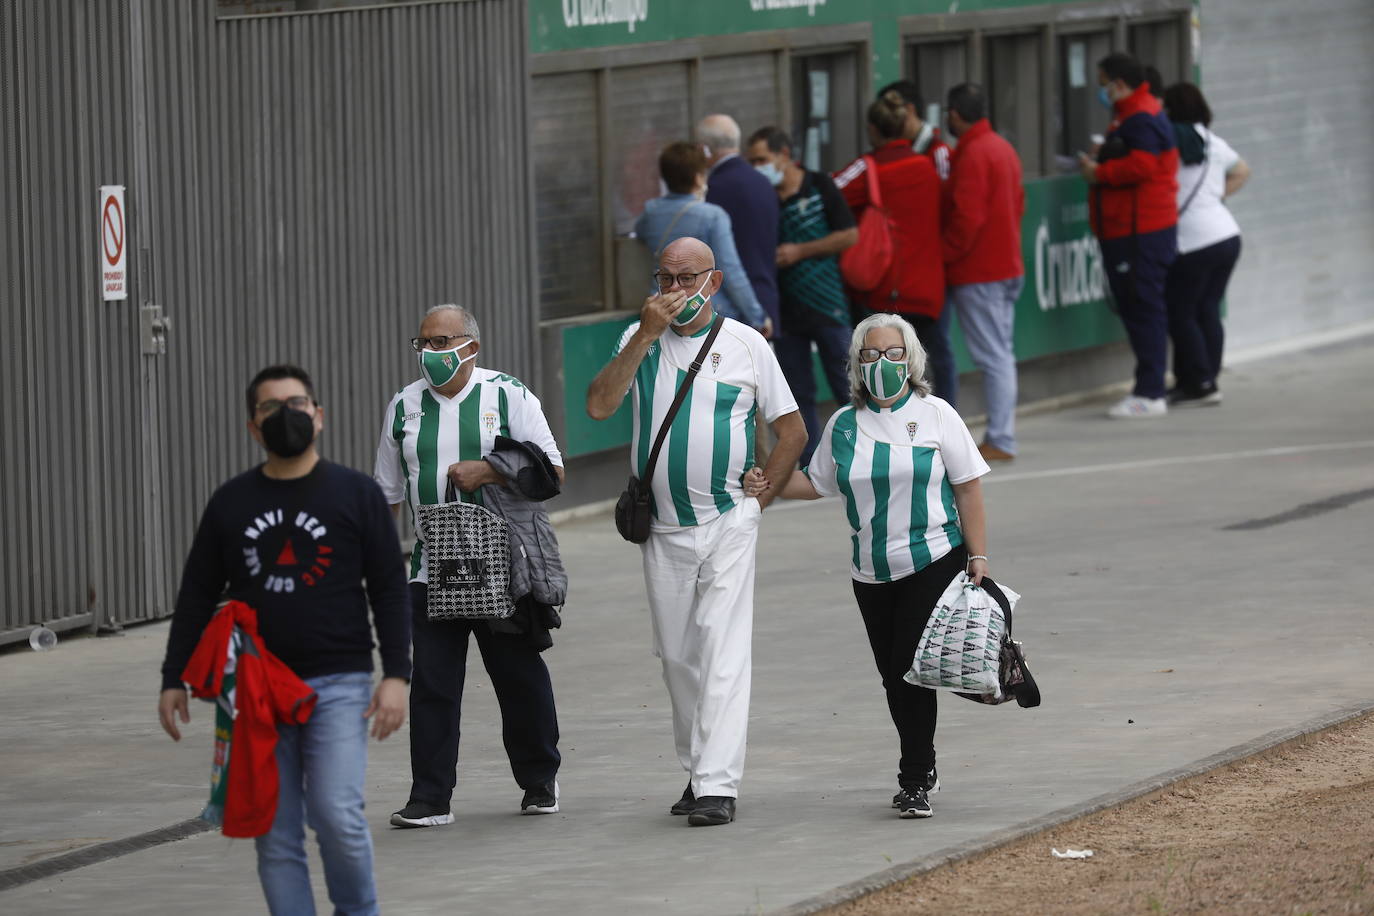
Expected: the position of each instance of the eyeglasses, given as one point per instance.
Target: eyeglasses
(439, 342)
(686, 281)
(296, 402)
(870, 354)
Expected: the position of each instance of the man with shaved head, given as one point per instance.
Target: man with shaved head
(699, 558)
(743, 192)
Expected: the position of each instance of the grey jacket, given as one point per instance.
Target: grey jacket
(536, 567)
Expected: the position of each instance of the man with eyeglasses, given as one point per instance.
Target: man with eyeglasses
(309, 545)
(699, 558)
(436, 430)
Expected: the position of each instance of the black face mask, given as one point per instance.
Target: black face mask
(288, 432)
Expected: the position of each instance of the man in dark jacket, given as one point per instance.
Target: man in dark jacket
(736, 187)
(1134, 212)
(981, 236)
(310, 545)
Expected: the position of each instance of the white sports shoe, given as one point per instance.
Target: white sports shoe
(1132, 407)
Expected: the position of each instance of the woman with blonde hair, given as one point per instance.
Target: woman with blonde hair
(909, 474)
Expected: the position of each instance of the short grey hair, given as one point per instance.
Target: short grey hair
(719, 132)
(915, 355)
(469, 322)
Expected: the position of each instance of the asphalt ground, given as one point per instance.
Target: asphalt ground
(1189, 584)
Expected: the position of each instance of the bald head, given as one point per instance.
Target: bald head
(687, 255)
(720, 133)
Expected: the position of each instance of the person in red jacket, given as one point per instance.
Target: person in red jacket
(1134, 210)
(981, 235)
(910, 188)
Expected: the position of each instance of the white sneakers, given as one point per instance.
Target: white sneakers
(1132, 407)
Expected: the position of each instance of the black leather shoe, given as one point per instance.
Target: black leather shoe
(712, 811)
(686, 804)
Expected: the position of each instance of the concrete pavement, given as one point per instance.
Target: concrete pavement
(1159, 633)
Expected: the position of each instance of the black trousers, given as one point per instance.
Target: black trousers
(1136, 268)
(529, 722)
(1196, 285)
(895, 615)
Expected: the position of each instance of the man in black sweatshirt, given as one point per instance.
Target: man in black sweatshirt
(309, 544)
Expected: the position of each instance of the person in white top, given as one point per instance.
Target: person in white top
(910, 477)
(436, 432)
(699, 558)
(1209, 171)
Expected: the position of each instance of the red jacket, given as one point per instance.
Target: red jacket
(1137, 192)
(266, 693)
(910, 190)
(983, 205)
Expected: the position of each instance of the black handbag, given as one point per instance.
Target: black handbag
(1013, 675)
(632, 511)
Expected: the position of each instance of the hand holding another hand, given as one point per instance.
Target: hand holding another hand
(755, 483)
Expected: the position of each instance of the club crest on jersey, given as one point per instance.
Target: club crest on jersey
(715, 362)
(489, 422)
(911, 430)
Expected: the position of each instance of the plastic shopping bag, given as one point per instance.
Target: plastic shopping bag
(961, 648)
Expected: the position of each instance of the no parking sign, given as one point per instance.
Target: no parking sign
(113, 242)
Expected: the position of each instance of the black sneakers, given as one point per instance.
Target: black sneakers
(686, 804)
(1195, 397)
(932, 785)
(541, 799)
(913, 802)
(712, 811)
(422, 814)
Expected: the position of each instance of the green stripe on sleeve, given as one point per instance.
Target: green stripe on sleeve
(503, 411)
(398, 432)
(882, 488)
(644, 401)
(679, 437)
(842, 449)
(952, 529)
(470, 435)
(921, 460)
(726, 395)
(427, 450)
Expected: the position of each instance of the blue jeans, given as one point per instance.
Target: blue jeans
(987, 314)
(792, 345)
(321, 766)
(944, 376)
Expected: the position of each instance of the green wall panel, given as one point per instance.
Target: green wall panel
(586, 348)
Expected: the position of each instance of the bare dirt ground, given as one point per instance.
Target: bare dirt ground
(1289, 832)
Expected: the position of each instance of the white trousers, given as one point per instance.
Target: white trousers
(700, 582)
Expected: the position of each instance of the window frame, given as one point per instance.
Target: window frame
(696, 52)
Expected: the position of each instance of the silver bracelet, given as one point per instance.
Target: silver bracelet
(976, 556)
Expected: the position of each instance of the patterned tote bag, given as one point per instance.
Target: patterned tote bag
(468, 549)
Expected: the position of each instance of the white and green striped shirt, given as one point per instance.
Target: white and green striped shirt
(424, 432)
(895, 467)
(711, 442)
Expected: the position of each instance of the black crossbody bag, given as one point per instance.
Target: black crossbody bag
(632, 513)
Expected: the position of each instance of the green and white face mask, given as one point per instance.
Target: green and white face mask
(695, 303)
(885, 378)
(440, 366)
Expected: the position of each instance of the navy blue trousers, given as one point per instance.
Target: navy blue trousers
(800, 327)
(520, 679)
(1196, 285)
(1136, 268)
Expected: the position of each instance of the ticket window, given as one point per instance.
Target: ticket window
(937, 67)
(1080, 115)
(1158, 44)
(1014, 95)
(827, 118)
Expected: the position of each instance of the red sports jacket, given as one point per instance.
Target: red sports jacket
(1136, 193)
(983, 205)
(266, 693)
(910, 190)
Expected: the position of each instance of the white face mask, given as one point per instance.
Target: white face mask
(695, 303)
